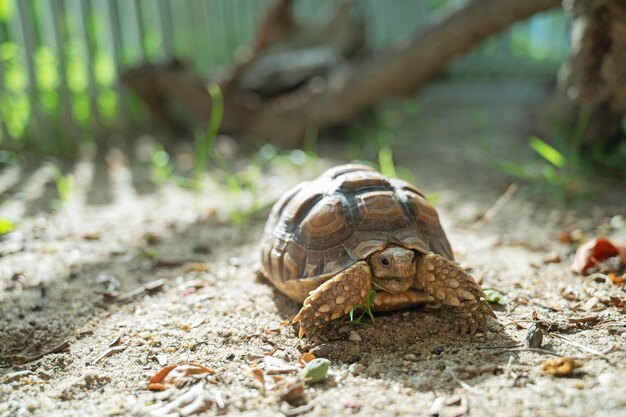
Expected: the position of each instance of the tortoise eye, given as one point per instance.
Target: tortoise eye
(384, 261)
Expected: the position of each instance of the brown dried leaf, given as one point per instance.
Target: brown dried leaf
(306, 358)
(193, 401)
(93, 235)
(177, 374)
(258, 374)
(595, 251)
(274, 365)
(196, 267)
(619, 303)
(290, 389)
(560, 366)
(551, 258)
(616, 279)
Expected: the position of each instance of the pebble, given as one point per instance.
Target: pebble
(344, 329)
(617, 222)
(356, 368)
(410, 357)
(354, 337)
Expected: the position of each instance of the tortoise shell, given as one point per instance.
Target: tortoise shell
(321, 227)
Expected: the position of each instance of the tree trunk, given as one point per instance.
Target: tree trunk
(594, 78)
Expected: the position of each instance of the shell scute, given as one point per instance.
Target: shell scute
(351, 211)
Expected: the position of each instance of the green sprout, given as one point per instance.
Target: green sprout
(385, 161)
(494, 296)
(64, 183)
(6, 226)
(364, 308)
(205, 142)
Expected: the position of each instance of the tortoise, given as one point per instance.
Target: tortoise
(328, 242)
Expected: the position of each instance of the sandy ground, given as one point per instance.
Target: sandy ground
(130, 277)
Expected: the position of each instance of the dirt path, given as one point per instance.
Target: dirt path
(70, 275)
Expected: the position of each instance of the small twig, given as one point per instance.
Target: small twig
(298, 410)
(498, 205)
(580, 346)
(57, 349)
(109, 352)
(463, 384)
(148, 287)
(522, 349)
(586, 319)
(219, 400)
(116, 341)
(509, 364)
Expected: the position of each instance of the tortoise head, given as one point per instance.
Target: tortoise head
(393, 269)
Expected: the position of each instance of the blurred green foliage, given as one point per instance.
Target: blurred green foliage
(207, 33)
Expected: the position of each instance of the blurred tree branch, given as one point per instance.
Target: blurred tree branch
(271, 94)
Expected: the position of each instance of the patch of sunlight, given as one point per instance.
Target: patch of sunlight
(50, 100)
(14, 109)
(107, 101)
(15, 75)
(80, 107)
(152, 40)
(46, 66)
(104, 68)
(6, 9)
(76, 68)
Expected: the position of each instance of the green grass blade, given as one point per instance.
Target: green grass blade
(6, 226)
(205, 142)
(547, 152)
(385, 161)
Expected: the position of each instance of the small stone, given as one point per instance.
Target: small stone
(534, 337)
(356, 368)
(617, 222)
(438, 350)
(410, 357)
(354, 337)
(344, 329)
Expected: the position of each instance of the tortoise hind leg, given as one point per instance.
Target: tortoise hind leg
(451, 285)
(334, 298)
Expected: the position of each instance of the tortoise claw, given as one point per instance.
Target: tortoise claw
(472, 318)
(334, 299)
(449, 284)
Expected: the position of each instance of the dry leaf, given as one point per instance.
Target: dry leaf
(177, 374)
(93, 235)
(306, 358)
(616, 279)
(193, 401)
(595, 251)
(560, 366)
(196, 267)
(618, 303)
(454, 406)
(551, 258)
(273, 366)
(290, 389)
(258, 374)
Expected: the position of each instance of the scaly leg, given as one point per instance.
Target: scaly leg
(334, 298)
(451, 285)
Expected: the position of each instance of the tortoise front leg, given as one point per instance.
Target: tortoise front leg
(451, 285)
(334, 298)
